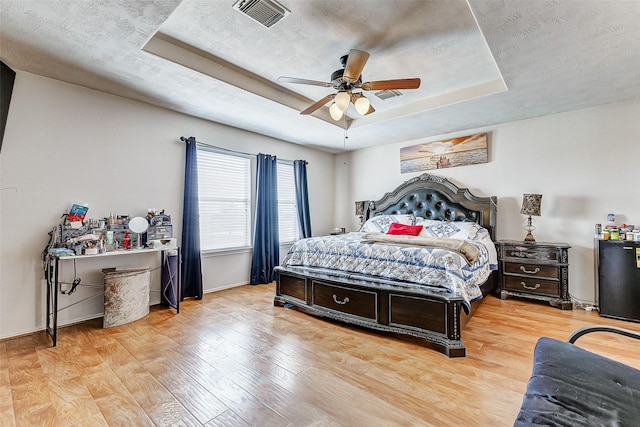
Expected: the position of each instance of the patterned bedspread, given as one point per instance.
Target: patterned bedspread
(412, 265)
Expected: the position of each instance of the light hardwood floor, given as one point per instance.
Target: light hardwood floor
(233, 359)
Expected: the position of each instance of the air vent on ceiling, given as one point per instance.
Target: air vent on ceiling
(266, 12)
(386, 94)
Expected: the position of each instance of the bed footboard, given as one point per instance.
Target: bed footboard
(429, 314)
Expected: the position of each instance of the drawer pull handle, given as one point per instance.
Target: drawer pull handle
(344, 301)
(537, 270)
(524, 285)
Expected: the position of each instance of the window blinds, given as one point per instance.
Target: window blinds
(224, 192)
(224, 199)
(287, 217)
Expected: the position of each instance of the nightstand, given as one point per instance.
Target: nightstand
(536, 271)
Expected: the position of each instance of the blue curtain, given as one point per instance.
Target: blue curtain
(191, 268)
(302, 197)
(266, 241)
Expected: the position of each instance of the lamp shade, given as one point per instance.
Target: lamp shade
(362, 105)
(360, 208)
(336, 113)
(342, 100)
(531, 204)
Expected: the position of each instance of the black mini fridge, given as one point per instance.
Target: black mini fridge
(618, 275)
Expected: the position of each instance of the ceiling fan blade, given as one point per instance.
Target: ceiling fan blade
(392, 84)
(371, 110)
(355, 64)
(303, 81)
(318, 104)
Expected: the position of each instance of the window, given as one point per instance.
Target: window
(287, 211)
(224, 194)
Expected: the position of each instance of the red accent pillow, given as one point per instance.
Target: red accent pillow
(407, 230)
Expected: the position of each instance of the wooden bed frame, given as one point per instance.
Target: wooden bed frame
(430, 313)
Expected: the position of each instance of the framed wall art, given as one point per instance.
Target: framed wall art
(448, 153)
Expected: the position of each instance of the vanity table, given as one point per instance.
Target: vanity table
(170, 290)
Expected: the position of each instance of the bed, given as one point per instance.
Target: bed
(426, 286)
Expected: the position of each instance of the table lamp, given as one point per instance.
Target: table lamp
(360, 211)
(531, 207)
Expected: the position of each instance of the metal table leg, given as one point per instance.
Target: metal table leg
(52, 299)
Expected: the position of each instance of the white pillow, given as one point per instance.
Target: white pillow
(451, 229)
(381, 223)
(459, 230)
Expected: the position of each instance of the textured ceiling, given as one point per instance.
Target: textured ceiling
(481, 62)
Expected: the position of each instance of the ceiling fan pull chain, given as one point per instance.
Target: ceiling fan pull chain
(344, 140)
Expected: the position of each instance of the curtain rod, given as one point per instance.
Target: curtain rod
(184, 139)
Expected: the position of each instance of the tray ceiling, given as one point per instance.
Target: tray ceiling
(481, 62)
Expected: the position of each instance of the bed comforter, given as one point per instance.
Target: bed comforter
(414, 265)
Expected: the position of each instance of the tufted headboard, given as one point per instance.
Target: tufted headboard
(433, 197)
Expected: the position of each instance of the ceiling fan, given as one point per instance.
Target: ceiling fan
(345, 80)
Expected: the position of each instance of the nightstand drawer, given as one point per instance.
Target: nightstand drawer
(358, 302)
(532, 270)
(530, 253)
(533, 286)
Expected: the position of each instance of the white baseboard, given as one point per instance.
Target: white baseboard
(222, 288)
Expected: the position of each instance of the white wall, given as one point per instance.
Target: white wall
(64, 143)
(585, 163)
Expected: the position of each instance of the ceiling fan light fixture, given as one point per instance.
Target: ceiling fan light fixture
(342, 100)
(347, 79)
(362, 105)
(335, 111)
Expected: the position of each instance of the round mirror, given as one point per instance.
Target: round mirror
(138, 224)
